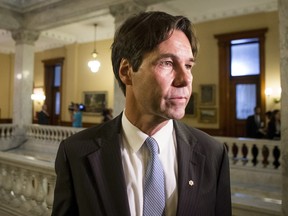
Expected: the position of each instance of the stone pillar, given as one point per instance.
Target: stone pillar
(120, 13)
(283, 28)
(23, 75)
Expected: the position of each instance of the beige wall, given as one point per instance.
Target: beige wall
(77, 78)
(6, 85)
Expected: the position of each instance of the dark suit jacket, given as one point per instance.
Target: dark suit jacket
(252, 129)
(90, 177)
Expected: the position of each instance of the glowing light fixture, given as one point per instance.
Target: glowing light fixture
(38, 95)
(94, 64)
(274, 93)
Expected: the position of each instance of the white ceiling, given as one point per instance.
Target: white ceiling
(83, 31)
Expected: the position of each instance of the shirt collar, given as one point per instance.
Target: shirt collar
(136, 137)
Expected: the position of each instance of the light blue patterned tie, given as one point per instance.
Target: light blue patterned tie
(154, 192)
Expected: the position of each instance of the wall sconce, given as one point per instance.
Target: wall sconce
(274, 93)
(38, 95)
(94, 64)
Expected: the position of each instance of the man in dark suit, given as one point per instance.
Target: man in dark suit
(102, 170)
(254, 124)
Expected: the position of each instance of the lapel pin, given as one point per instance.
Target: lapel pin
(191, 183)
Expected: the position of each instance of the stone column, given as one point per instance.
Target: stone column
(283, 28)
(23, 75)
(121, 12)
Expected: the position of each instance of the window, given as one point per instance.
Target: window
(245, 105)
(245, 58)
(57, 76)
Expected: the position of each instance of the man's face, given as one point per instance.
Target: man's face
(163, 84)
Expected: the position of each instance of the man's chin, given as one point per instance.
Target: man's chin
(177, 114)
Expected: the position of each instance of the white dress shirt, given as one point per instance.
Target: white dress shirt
(135, 158)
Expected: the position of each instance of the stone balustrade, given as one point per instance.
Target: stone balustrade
(257, 153)
(7, 131)
(8, 137)
(26, 185)
(51, 133)
(27, 178)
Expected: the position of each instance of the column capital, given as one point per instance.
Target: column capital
(122, 11)
(23, 36)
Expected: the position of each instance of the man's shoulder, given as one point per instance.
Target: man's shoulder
(101, 130)
(192, 133)
(198, 139)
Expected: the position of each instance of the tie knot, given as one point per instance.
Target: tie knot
(152, 145)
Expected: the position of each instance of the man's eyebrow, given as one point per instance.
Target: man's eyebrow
(171, 55)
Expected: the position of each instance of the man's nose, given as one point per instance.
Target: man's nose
(183, 76)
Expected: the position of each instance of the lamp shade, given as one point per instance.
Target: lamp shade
(94, 65)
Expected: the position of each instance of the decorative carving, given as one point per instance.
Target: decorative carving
(244, 153)
(235, 153)
(265, 154)
(255, 152)
(122, 11)
(22, 36)
(276, 154)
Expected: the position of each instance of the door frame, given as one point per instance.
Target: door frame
(225, 109)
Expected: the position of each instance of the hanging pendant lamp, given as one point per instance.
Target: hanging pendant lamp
(94, 64)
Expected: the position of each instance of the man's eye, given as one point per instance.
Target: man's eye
(188, 67)
(166, 63)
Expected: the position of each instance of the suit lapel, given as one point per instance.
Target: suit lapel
(190, 171)
(106, 164)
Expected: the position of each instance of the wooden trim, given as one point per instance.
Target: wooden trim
(50, 62)
(84, 124)
(224, 75)
(212, 132)
(5, 121)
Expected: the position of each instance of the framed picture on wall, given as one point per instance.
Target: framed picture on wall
(95, 101)
(208, 94)
(208, 115)
(191, 108)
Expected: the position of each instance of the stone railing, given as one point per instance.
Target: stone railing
(49, 133)
(7, 131)
(7, 136)
(27, 176)
(44, 140)
(257, 153)
(26, 185)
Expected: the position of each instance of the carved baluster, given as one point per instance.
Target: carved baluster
(244, 154)
(235, 152)
(17, 187)
(2, 132)
(46, 134)
(2, 179)
(60, 135)
(276, 155)
(50, 195)
(6, 132)
(39, 196)
(255, 153)
(32, 132)
(8, 181)
(29, 191)
(28, 131)
(53, 135)
(265, 154)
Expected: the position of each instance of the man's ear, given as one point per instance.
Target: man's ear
(125, 71)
